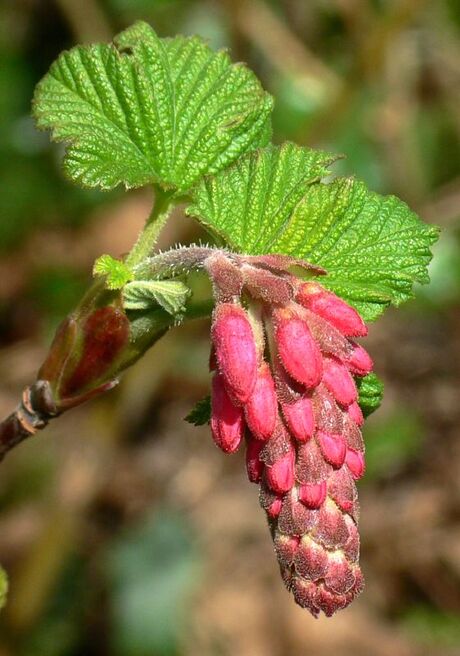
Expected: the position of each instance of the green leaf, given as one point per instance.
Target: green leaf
(149, 110)
(373, 247)
(370, 390)
(171, 295)
(116, 272)
(251, 203)
(3, 587)
(201, 413)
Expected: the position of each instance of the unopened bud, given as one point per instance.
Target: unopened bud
(274, 508)
(332, 308)
(339, 381)
(360, 362)
(355, 461)
(313, 495)
(332, 447)
(280, 476)
(299, 418)
(235, 350)
(297, 349)
(356, 414)
(261, 410)
(227, 423)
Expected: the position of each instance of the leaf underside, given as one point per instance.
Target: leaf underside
(373, 247)
(149, 110)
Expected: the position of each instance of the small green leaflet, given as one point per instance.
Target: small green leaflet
(149, 110)
(116, 272)
(373, 247)
(145, 294)
(201, 413)
(370, 390)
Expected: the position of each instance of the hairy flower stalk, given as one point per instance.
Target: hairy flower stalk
(285, 363)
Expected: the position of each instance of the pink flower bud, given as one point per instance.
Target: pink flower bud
(359, 362)
(339, 382)
(356, 414)
(332, 308)
(274, 508)
(313, 495)
(286, 547)
(280, 476)
(227, 423)
(254, 466)
(261, 410)
(297, 349)
(299, 418)
(355, 461)
(333, 448)
(235, 350)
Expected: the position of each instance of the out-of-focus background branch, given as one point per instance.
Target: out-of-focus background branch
(125, 532)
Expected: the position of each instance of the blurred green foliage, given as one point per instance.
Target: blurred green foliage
(391, 443)
(152, 570)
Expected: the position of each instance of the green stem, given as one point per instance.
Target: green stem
(159, 215)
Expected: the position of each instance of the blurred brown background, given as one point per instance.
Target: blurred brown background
(124, 531)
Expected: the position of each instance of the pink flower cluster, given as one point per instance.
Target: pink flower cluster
(285, 359)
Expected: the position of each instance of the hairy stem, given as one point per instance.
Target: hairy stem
(159, 215)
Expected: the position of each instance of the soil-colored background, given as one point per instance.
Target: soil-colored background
(124, 531)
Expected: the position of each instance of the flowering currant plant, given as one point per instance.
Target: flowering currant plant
(299, 264)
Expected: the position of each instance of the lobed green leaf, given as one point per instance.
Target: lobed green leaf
(149, 110)
(116, 272)
(370, 389)
(373, 247)
(201, 413)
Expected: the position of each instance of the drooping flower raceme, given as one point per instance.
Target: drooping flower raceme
(285, 359)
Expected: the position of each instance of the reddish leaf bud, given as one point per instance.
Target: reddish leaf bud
(332, 308)
(333, 448)
(360, 362)
(261, 410)
(355, 462)
(254, 466)
(280, 476)
(297, 349)
(356, 414)
(227, 423)
(339, 382)
(299, 418)
(313, 495)
(235, 350)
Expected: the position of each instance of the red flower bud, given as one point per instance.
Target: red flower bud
(274, 508)
(339, 381)
(333, 448)
(227, 423)
(313, 495)
(299, 418)
(356, 414)
(355, 461)
(235, 350)
(332, 308)
(360, 362)
(261, 410)
(297, 349)
(254, 466)
(280, 476)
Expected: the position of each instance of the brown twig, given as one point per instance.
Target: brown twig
(31, 415)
